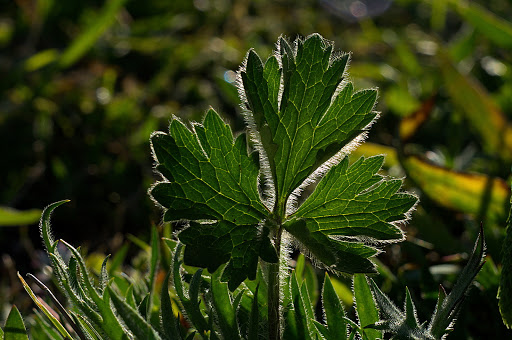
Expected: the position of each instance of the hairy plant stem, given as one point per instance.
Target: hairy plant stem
(274, 314)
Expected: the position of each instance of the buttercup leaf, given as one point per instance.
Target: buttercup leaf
(303, 117)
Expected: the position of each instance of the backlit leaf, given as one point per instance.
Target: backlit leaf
(302, 117)
(208, 175)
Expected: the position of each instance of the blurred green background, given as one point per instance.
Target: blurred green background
(84, 83)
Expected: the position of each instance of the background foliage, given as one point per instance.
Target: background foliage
(84, 83)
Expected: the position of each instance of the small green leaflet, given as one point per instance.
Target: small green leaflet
(301, 115)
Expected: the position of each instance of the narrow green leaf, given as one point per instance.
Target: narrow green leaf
(411, 318)
(13, 217)
(104, 277)
(155, 259)
(143, 307)
(56, 323)
(42, 329)
(334, 311)
(505, 290)
(310, 313)
(133, 320)
(445, 316)
(14, 327)
(191, 302)
(299, 309)
(67, 278)
(365, 306)
(86, 326)
(325, 332)
(130, 297)
(110, 324)
(254, 317)
(169, 321)
(192, 307)
(44, 226)
(224, 308)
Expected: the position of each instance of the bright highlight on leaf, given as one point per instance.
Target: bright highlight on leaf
(303, 117)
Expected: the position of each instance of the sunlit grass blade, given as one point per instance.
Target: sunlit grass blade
(56, 323)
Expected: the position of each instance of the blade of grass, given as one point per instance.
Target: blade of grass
(56, 323)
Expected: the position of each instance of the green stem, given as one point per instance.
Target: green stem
(274, 314)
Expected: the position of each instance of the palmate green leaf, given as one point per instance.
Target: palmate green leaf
(208, 175)
(303, 117)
